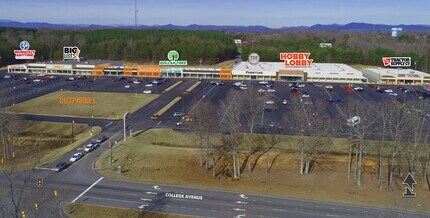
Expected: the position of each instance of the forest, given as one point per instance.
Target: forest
(139, 46)
(211, 47)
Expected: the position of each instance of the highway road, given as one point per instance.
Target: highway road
(82, 183)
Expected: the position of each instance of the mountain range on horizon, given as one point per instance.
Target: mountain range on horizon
(322, 27)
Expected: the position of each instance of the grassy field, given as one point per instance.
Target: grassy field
(108, 105)
(85, 211)
(167, 157)
(38, 142)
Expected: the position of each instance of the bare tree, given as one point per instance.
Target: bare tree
(368, 119)
(230, 112)
(252, 106)
(17, 187)
(202, 125)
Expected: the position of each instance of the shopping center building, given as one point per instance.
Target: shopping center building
(277, 71)
(396, 76)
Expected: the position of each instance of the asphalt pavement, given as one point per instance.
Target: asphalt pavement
(83, 184)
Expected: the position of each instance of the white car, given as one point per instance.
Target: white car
(392, 93)
(270, 102)
(388, 90)
(136, 82)
(127, 86)
(243, 87)
(70, 79)
(147, 92)
(261, 90)
(237, 84)
(305, 96)
(285, 102)
(149, 85)
(271, 90)
(301, 85)
(177, 114)
(358, 88)
(76, 157)
(7, 76)
(37, 80)
(90, 147)
(262, 83)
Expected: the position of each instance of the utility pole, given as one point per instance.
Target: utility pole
(135, 14)
(110, 157)
(73, 131)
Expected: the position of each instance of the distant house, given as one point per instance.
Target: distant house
(238, 41)
(395, 31)
(326, 45)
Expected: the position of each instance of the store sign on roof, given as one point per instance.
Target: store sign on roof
(173, 59)
(25, 53)
(296, 59)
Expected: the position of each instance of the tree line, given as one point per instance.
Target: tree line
(141, 46)
(400, 135)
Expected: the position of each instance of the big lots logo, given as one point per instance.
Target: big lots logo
(296, 59)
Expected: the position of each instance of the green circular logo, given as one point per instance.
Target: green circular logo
(173, 55)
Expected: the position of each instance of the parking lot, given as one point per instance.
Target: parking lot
(332, 104)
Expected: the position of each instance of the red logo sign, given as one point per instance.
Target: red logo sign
(296, 59)
(387, 61)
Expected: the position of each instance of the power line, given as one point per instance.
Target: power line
(135, 14)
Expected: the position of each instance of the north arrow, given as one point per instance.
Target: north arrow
(410, 181)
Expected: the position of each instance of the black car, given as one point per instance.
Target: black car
(101, 139)
(61, 166)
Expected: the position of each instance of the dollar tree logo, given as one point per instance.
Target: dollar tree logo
(173, 55)
(173, 59)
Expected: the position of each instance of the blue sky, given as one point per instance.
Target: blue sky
(271, 13)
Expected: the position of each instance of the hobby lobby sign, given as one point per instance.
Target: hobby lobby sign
(296, 59)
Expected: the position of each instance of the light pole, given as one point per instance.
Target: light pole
(73, 131)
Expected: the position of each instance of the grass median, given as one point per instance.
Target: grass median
(38, 143)
(172, 86)
(85, 211)
(107, 105)
(164, 156)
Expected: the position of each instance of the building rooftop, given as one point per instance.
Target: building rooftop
(404, 73)
(262, 66)
(83, 62)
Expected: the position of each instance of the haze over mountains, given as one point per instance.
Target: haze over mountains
(335, 27)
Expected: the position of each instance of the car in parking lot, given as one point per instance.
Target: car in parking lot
(328, 88)
(271, 90)
(177, 114)
(127, 86)
(60, 166)
(262, 83)
(220, 83)
(261, 90)
(37, 80)
(285, 102)
(335, 101)
(147, 92)
(70, 79)
(388, 90)
(270, 102)
(305, 95)
(301, 85)
(392, 93)
(76, 157)
(149, 85)
(90, 147)
(358, 89)
(7, 76)
(101, 139)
